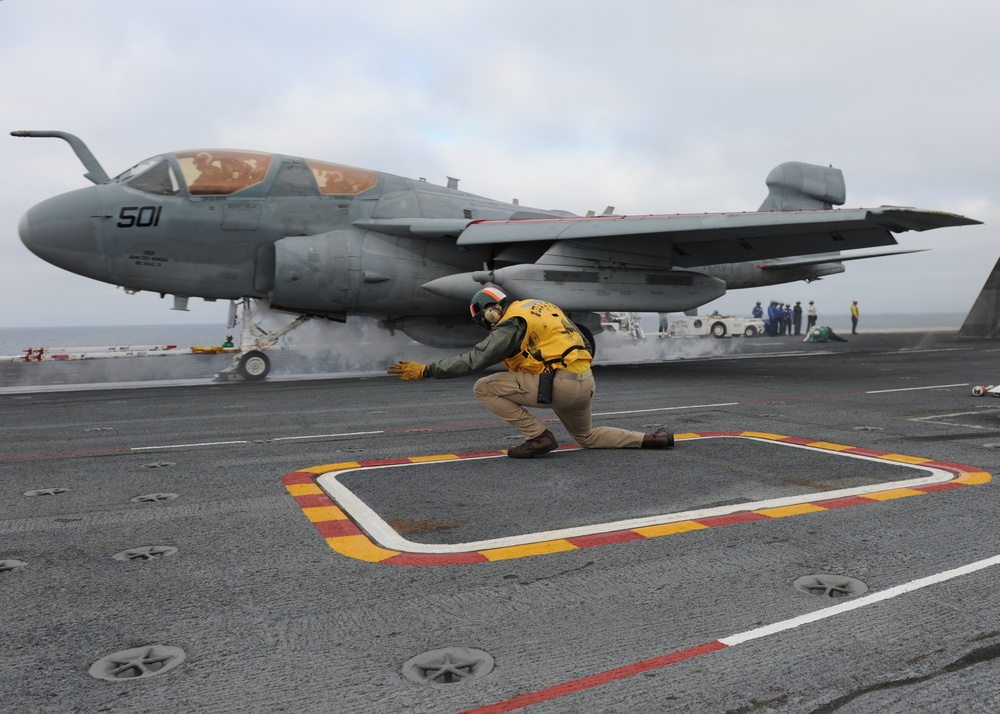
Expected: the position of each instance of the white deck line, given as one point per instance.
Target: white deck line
(860, 602)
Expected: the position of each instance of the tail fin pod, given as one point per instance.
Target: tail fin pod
(794, 186)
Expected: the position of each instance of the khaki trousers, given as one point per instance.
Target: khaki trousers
(506, 394)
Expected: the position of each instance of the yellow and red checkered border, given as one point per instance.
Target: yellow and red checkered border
(343, 536)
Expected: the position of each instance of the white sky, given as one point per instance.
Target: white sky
(652, 106)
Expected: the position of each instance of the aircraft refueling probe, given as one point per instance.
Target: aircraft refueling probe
(95, 172)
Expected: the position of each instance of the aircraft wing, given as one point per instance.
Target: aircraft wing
(690, 240)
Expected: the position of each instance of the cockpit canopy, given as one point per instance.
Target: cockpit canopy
(220, 172)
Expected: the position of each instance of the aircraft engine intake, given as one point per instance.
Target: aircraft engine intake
(318, 274)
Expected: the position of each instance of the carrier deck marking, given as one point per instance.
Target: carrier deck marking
(352, 528)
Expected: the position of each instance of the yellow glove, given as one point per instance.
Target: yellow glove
(408, 370)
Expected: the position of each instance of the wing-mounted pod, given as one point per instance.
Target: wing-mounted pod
(95, 172)
(587, 289)
(445, 331)
(794, 186)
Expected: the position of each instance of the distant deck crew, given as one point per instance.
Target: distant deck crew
(855, 314)
(548, 366)
(771, 324)
(823, 334)
(810, 316)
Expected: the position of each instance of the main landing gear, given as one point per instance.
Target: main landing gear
(252, 364)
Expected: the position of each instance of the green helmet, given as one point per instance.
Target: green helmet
(484, 299)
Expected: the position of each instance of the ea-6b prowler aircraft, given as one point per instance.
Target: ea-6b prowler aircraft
(321, 239)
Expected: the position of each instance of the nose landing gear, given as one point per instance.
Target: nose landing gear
(252, 365)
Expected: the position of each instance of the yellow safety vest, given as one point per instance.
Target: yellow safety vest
(551, 339)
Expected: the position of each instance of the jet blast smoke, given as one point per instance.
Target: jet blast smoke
(361, 346)
(320, 348)
(356, 346)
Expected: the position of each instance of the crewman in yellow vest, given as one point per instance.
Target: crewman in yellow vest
(548, 363)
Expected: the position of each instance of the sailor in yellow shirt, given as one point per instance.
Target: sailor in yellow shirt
(854, 317)
(548, 363)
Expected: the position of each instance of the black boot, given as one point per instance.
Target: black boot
(659, 439)
(539, 446)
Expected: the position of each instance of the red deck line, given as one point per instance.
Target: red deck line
(596, 680)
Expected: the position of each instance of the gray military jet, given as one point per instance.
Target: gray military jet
(324, 240)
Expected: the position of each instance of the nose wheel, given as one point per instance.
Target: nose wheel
(254, 365)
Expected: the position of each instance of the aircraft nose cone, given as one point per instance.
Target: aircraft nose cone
(66, 232)
(24, 231)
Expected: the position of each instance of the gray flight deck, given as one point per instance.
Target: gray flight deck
(311, 535)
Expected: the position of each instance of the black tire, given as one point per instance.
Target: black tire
(719, 329)
(751, 331)
(254, 365)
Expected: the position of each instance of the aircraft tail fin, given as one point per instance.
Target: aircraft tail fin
(983, 319)
(794, 186)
